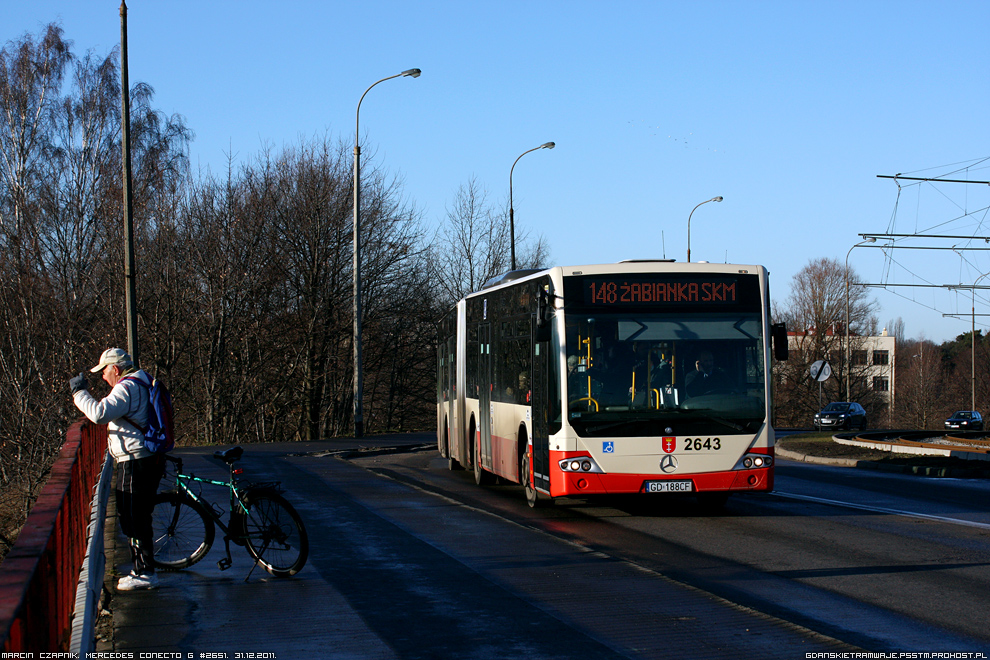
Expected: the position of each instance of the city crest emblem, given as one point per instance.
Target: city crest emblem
(669, 444)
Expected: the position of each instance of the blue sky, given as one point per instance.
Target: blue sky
(789, 110)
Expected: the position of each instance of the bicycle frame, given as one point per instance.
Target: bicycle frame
(183, 481)
(260, 519)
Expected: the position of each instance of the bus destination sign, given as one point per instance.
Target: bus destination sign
(704, 290)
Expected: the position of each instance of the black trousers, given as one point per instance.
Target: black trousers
(135, 488)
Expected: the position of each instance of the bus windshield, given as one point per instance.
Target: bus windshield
(637, 374)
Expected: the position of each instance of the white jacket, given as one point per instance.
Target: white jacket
(126, 399)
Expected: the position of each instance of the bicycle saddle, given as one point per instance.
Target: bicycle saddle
(229, 456)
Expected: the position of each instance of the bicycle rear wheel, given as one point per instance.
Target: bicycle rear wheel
(183, 531)
(274, 533)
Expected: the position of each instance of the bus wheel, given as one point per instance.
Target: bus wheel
(532, 497)
(481, 477)
(452, 463)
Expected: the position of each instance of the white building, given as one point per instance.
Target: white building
(872, 359)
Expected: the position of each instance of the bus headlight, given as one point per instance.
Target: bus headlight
(580, 464)
(754, 462)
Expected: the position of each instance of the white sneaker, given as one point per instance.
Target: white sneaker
(132, 582)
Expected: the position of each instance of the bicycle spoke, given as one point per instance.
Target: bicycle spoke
(275, 535)
(183, 533)
(266, 524)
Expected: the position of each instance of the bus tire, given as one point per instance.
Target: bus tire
(532, 497)
(452, 463)
(481, 476)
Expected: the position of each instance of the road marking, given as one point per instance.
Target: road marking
(880, 509)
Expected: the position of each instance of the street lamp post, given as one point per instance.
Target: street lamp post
(130, 271)
(872, 239)
(358, 376)
(713, 199)
(512, 221)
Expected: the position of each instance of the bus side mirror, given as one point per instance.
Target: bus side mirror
(544, 316)
(778, 333)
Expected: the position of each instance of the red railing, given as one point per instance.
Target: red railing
(39, 575)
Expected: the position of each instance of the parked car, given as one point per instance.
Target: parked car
(841, 415)
(965, 420)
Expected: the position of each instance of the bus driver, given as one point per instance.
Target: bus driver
(706, 377)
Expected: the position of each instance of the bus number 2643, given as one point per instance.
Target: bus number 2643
(697, 444)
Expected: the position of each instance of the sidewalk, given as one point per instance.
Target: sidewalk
(118, 551)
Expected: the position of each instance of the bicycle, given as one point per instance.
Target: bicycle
(260, 519)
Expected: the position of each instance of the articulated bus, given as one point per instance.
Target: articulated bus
(636, 377)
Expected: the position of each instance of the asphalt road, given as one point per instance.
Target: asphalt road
(410, 560)
(881, 561)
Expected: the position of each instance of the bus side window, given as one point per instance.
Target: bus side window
(472, 363)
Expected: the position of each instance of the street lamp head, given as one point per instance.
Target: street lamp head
(411, 73)
(717, 199)
(512, 224)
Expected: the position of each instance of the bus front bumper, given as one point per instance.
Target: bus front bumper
(578, 484)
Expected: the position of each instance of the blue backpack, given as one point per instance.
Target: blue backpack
(159, 435)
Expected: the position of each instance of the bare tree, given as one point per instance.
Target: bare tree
(313, 220)
(895, 328)
(961, 387)
(31, 75)
(244, 282)
(472, 246)
(816, 315)
(922, 386)
(59, 225)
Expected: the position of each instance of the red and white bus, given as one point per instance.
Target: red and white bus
(637, 377)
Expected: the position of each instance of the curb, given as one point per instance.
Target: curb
(350, 453)
(818, 460)
(879, 466)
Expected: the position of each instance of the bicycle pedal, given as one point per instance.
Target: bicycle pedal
(224, 564)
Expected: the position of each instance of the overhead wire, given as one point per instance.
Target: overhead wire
(972, 163)
(891, 265)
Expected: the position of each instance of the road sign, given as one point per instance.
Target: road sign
(820, 371)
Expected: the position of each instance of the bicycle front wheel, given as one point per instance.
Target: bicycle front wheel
(274, 533)
(183, 531)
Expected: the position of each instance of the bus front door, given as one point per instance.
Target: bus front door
(541, 407)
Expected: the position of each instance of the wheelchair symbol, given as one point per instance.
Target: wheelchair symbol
(608, 447)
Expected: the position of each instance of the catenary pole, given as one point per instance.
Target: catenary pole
(130, 274)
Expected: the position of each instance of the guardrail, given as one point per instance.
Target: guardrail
(38, 578)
